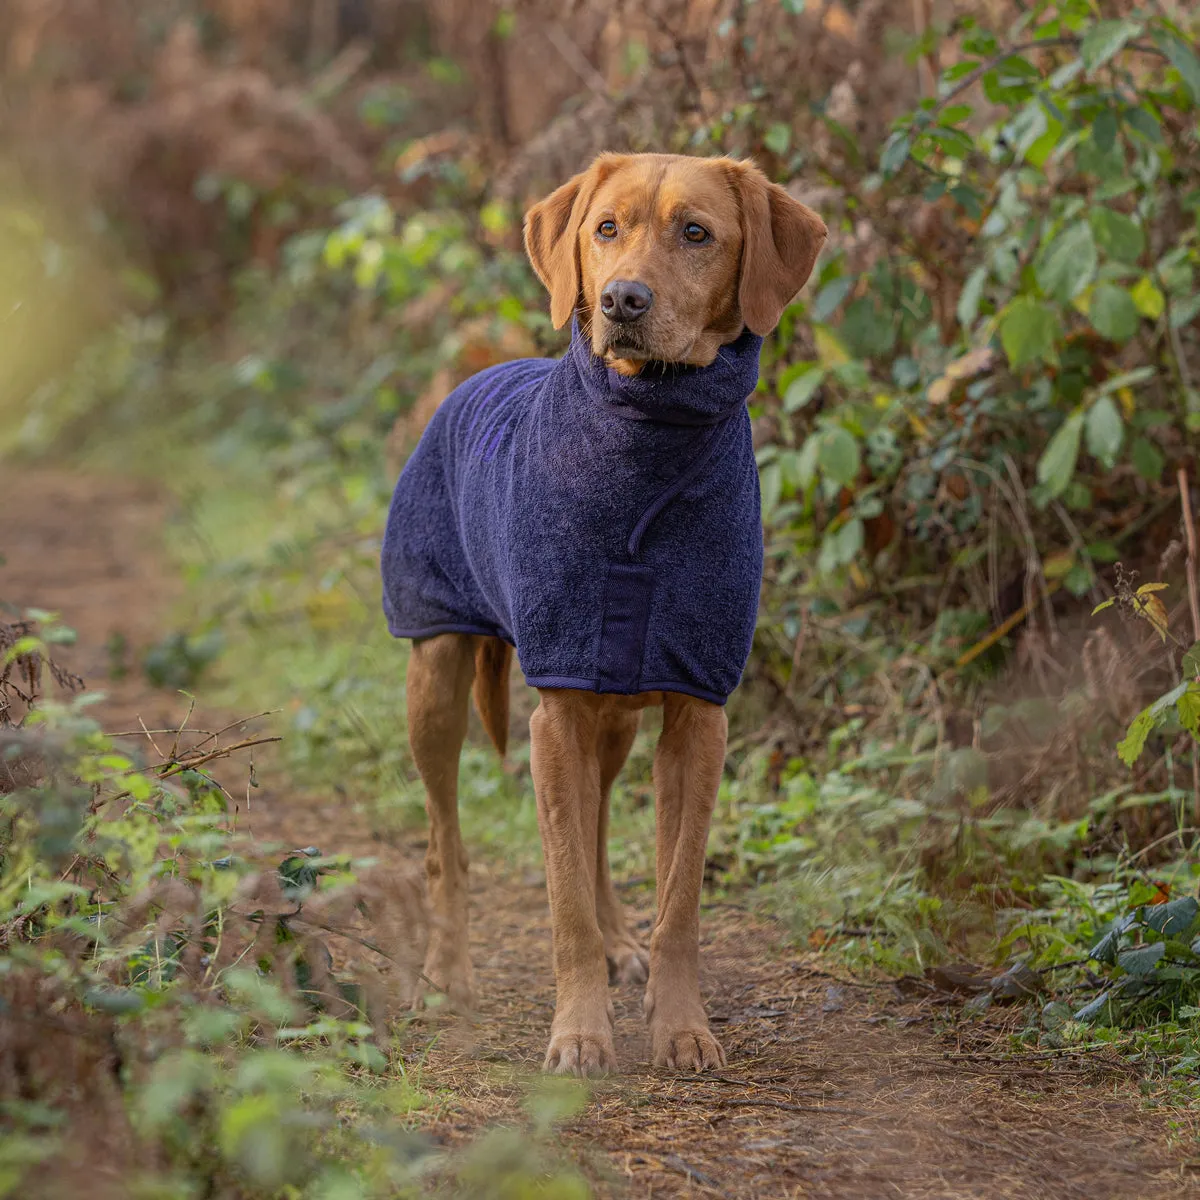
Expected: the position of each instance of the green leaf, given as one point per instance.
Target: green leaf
(1039, 151)
(1112, 312)
(1103, 605)
(1027, 331)
(1182, 59)
(1141, 960)
(1191, 662)
(771, 484)
(1105, 950)
(1104, 39)
(802, 389)
(1057, 464)
(1173, 918)
(895, 153)
(1184, 312)
(1148, 299)
(1145, 122)
(117, 1001)
(831, 295)
(1078, 580)
(969, 298)
(841, 545)
(1147, 459)
(252, 1134)
(1055, 1015)
(1100, 1008)
(1105, 431)
(1130, 747)
(1068, 264)
(795, 7)
(955, 113)
(839, 455)
(1104, 130)
(806, 463)
(1119, 236)
(1187, 708)
(778, 138)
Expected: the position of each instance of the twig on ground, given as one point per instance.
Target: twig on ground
(747, 1102)
(693, 1174)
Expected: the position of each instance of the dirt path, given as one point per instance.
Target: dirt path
(834, 1089)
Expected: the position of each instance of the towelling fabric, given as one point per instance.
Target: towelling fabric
(606, 526)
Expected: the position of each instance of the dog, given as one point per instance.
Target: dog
(601, 513)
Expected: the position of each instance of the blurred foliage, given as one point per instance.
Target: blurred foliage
(172, 1024)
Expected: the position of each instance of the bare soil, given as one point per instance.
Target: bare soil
(835, 1088)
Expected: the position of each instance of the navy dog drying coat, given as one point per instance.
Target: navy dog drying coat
(606, 526)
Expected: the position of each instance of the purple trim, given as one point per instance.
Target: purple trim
(561, 681)
(588, 685)
(429, 631)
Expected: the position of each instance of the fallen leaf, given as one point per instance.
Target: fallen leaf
(973, 363)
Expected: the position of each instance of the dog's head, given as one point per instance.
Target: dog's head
(667, 258)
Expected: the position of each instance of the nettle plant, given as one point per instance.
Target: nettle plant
(1032, 301)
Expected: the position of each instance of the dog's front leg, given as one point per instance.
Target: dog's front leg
(687, 772)
(566, 778)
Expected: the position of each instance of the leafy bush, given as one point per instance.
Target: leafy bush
(1034, 301)
(173, 1021)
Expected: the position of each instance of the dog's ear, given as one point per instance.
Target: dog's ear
(781, 239)
(552, 236)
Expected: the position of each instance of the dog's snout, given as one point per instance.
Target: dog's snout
(625, 300)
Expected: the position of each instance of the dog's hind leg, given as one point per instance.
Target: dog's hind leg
(440, 670)
(628, 961)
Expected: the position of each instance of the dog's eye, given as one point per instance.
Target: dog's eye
(696, 233)
(607, 230)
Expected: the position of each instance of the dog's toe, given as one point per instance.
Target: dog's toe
(448, 983)
(628, 964)
(690, 1050)
(586, 1056)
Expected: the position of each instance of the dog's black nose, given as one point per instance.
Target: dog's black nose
(624, 300)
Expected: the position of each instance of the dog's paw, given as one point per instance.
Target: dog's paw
(691, 1049)
(586, 1055)
(448, 984)
(627, 963)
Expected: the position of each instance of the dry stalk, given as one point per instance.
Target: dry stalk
(1189, 525)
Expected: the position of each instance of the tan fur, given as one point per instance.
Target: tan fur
(493, 662)
(763, 247)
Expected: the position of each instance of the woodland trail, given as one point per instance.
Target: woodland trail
(834, 1089)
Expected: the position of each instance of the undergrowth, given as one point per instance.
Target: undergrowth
(965, 423)
(174, 1023)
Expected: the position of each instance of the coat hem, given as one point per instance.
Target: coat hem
(429, 631)
(561, 681)
(590, 685)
